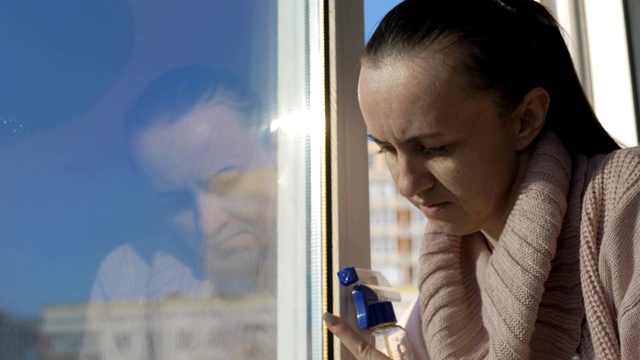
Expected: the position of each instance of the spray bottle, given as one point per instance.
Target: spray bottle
(372, 296)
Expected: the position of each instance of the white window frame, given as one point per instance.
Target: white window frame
(348, 159)
(300, 126)
(597, 37)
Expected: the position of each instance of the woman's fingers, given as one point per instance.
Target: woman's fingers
(358, 346)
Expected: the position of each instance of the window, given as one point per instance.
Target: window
(161, 191)
(600, 39)
(632, 14)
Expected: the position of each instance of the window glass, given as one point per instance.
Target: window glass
(632, 18)
(142, 147)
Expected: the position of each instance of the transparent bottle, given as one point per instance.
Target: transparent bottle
(386, 335)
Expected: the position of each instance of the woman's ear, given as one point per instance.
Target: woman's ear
(531, 115)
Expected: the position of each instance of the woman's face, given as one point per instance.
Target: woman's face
(449, 150)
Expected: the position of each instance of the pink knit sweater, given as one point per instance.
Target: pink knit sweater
(564, 278)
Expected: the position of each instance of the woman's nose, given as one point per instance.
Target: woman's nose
(412, 176)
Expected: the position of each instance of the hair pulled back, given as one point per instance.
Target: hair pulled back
(508, 47)
(179, 90)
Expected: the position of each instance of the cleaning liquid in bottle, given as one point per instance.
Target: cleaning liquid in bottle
(372, 296)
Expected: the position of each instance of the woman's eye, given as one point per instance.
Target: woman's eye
(432, 150)
(386, 149)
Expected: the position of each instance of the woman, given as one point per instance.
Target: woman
(534, 210)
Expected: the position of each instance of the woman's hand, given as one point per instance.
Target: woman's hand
(358, 346)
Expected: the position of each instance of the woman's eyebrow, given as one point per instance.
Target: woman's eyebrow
(424, 137)
(414, 139)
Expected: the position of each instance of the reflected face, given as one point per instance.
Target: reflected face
(448, 149)
(219, 185)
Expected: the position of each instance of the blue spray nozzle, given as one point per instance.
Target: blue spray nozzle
(372, 294)
(348, 276)
(370, 311)
(373, 279)
(362, 297)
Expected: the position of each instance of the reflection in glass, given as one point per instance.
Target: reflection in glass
(196, 135)
(138, 179)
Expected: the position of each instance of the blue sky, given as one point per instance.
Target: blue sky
(374, 11)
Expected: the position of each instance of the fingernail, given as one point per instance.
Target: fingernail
(329, 318)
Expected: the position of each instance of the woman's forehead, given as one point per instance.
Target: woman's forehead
(411, 83)
(417, 96)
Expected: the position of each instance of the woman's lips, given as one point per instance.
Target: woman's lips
(433, 210)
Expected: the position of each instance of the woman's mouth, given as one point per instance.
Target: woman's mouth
(434, 209)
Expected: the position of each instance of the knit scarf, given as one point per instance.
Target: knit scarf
(523, 300)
